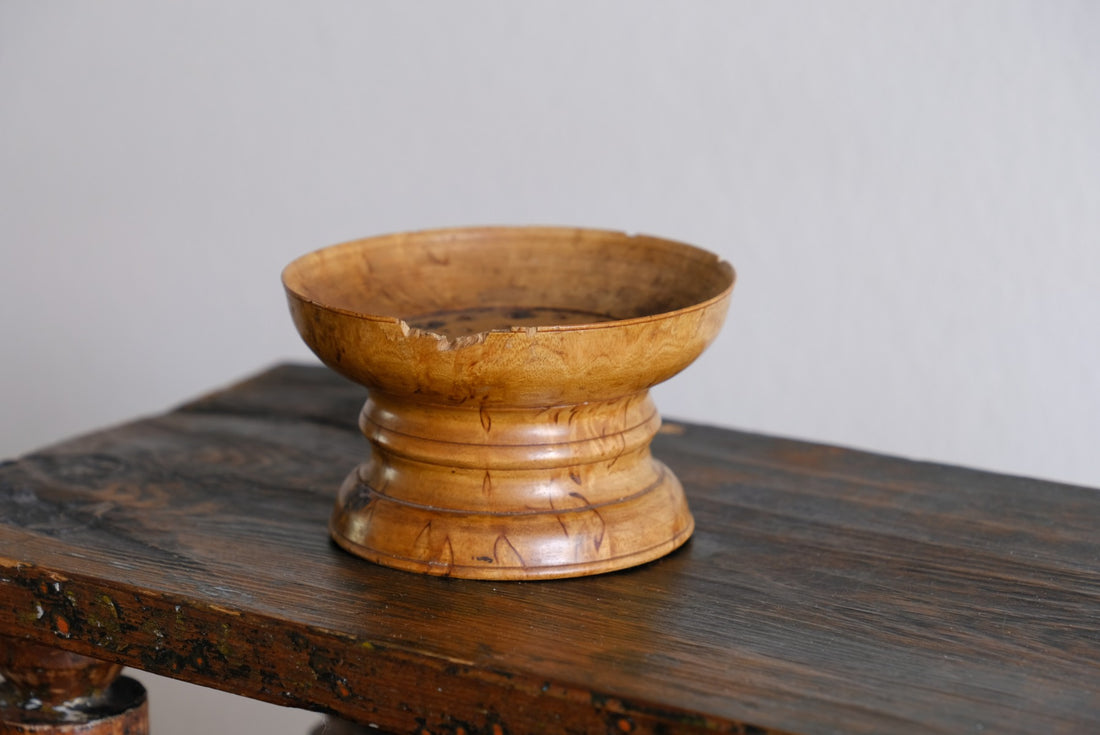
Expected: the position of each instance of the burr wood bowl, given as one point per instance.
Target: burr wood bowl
(508, 373)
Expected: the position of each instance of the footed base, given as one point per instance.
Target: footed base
(513, 493)
(572, 542)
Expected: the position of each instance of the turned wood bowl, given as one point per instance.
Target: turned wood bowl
(508, 373)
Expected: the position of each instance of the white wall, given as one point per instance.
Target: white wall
(910, 192)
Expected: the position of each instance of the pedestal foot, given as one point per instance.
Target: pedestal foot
(511, 493)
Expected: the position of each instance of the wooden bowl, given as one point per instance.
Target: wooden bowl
(508, 369)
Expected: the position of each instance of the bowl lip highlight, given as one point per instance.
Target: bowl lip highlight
(471, 232)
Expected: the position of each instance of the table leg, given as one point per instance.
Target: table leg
(47, 691)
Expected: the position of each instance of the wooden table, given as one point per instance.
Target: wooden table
(825, 590)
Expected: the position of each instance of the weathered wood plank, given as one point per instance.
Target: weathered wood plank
(825, 590)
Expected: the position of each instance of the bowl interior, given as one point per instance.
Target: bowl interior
(467, 281)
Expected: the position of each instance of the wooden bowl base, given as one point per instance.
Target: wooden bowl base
(511, 493)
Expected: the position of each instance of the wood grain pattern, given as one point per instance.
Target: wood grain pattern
(824, 590)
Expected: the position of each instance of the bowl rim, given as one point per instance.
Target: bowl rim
(472, 231)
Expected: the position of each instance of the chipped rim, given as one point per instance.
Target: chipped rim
(408, 331)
